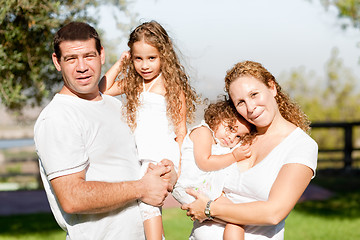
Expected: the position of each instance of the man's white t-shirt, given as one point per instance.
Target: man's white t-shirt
(73, 134)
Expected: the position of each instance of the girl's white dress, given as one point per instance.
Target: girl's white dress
(209, 183)
(154, 137)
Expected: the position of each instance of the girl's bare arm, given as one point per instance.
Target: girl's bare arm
(107, 84)
(203, 139)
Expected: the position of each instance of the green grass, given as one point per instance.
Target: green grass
(335, 218)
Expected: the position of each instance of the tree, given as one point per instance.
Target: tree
(332, 98)
(348, 9)
(27, 75)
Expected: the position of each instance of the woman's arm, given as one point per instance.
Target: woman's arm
(203, 139)
(288, 187)
(107, 84)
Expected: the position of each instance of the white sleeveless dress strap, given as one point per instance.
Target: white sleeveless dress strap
(151, 85)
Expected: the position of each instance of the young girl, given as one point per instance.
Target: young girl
(159, 101)
(207, 151)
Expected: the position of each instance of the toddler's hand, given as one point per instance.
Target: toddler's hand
(242, 152)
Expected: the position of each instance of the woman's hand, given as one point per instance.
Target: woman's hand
(196, 209)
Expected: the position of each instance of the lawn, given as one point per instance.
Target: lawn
(335, 218)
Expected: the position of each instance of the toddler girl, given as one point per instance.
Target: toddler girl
(207, 152)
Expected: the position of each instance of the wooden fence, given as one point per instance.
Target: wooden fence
(348, 147)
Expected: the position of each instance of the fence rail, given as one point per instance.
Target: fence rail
(348, 128)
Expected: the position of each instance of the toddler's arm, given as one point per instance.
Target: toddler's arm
(107, 84)
(203, 140)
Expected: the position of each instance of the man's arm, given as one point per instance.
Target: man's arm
(76, 195)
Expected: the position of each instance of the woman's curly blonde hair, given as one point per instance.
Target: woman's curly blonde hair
(288, 108)
(225, 111)
(176, 81)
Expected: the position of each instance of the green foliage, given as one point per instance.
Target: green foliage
(27, 75)
(348, 9)
(332, 98)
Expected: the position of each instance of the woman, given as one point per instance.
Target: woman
(284, 158)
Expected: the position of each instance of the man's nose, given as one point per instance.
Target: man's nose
(82, 65)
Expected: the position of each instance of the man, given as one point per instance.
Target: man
(87, 155)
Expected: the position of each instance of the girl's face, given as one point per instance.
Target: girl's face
(254, 100)
(146, 59)
(228, 135)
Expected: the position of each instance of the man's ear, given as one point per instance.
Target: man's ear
(102, 55)
(56, 62)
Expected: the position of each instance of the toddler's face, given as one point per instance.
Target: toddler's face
(228, 135)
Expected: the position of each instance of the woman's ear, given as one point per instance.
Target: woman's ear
(272, 86)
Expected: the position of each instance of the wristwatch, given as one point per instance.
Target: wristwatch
(207, 210)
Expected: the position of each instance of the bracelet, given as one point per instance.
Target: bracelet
(207, 210)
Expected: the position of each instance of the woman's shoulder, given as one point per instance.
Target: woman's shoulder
(299, 141)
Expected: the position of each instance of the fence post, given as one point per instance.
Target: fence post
(348, 148)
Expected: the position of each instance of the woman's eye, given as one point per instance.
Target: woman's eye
(240, 103)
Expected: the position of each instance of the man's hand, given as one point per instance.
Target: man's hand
(155, 189)
(171, 176)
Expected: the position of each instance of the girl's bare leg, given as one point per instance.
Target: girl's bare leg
(233, 231)
(153, 228)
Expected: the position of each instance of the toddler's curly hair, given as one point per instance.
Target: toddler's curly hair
(225, 111)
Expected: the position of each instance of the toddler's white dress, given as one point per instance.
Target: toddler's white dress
(209, 183)
(154, 137)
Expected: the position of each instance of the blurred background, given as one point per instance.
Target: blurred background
(312, 47)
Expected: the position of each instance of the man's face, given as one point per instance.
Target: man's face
(80, 65)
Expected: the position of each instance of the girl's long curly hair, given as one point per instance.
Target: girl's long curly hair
(288, 108)
(176, 81)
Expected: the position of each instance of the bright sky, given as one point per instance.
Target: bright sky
(213, 35)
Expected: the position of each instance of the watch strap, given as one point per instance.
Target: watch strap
(207, 210)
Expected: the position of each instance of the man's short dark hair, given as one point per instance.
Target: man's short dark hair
(75, 31)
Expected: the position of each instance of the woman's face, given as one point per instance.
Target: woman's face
(254, 100)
